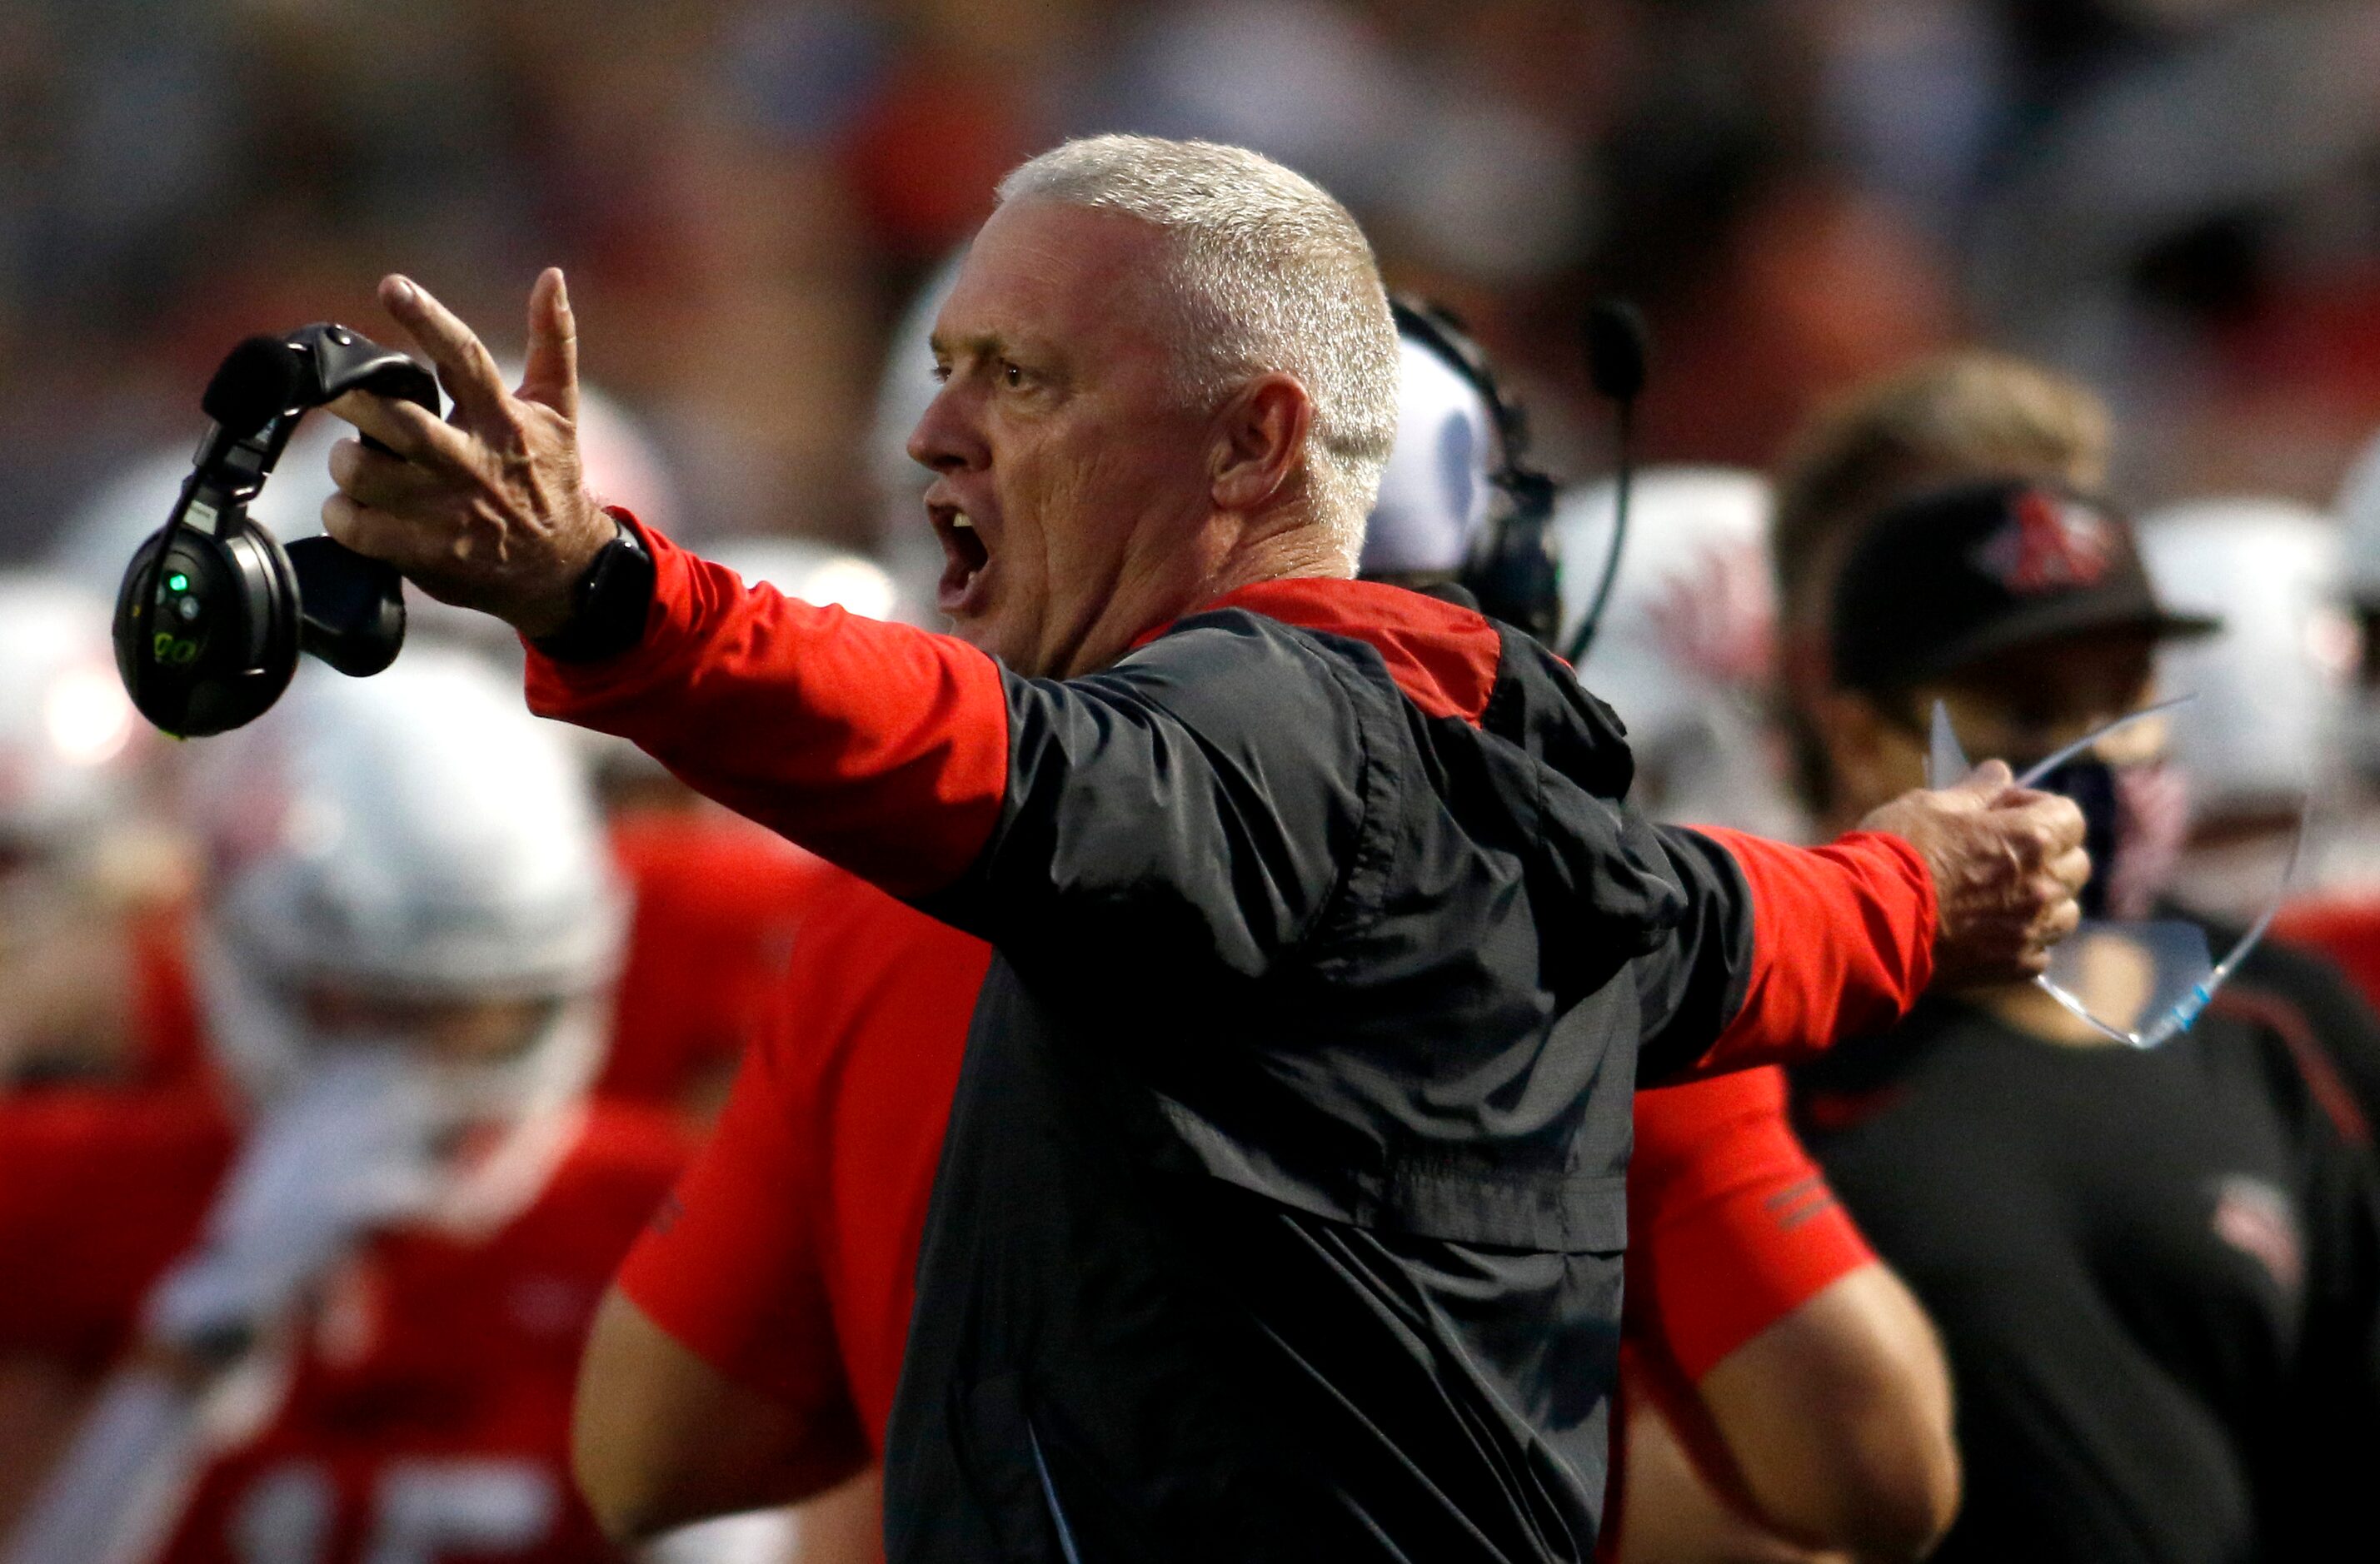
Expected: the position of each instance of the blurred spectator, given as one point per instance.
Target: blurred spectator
(2153, 1270)
(2260, 801)
(2174, 199)
(1955, 417)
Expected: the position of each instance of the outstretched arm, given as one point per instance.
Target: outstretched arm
(1788, 950)
(899, 754)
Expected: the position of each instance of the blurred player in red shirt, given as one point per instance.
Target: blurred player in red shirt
(353, 1319)
(718, 898)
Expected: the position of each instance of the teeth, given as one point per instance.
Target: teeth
(960, 519)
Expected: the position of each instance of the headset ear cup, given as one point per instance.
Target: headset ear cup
(224, 665)
(130, 626)
(237, 696)
(351, 608)
(1514, 571)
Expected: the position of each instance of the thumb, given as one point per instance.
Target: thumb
(1987, 781)
(552, 374)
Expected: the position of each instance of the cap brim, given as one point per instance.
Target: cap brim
(2053, 622)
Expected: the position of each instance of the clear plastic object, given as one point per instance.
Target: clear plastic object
(2156, 975)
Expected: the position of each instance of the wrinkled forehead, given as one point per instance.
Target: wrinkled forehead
(1048, 277)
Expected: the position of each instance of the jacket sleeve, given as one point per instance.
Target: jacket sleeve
(1205, 791)
(882, 747)
(1784, 949)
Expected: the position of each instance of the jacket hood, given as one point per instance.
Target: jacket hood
(1563, 766)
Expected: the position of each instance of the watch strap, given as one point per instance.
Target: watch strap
(609, 605)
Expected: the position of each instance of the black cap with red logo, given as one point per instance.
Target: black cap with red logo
(1945, 580)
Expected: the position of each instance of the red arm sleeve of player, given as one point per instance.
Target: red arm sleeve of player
(881, 746)
(1842, 943)
(1732, 1225)
(730, 1265)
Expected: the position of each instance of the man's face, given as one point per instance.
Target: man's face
(1072, 488)
(2018, 707)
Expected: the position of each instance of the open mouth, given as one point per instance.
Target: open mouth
(965, 556)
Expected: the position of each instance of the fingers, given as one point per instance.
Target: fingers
(2037, 828)
(2058, 819)
(2064, 918)
(552, 376)
(377, 535)
(412, 432)
(464, 366)
(1988, 780)
(379, 480)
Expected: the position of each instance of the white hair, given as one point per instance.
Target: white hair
(1270, 274)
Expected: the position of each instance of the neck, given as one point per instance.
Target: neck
(1232, 553)
(1303, 549)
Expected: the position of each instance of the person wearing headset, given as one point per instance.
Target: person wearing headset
(1279, 867)
(749, 1353)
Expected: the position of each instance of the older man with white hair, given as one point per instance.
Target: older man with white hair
(1281, 1206)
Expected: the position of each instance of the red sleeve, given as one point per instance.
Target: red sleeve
(731, 1263)
(1842, 943)
(717, 902)
(881, 746)
(1731, 1225)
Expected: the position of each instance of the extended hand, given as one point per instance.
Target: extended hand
(488, 509)
(2008, 863)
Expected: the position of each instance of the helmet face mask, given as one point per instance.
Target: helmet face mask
(409, 866)
(488, 1065)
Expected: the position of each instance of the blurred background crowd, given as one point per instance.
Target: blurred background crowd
(2172, 204)
(2176, 199)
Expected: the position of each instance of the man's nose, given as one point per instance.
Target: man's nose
(947, 438)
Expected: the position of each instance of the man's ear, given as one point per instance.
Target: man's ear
(1258, 444)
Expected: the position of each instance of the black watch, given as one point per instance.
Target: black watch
(607, 605)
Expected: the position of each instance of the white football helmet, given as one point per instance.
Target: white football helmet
(68, 737)
(1687, 643)
(2359, 511)
(413, 837)
(1434, 490)
(2273, 685)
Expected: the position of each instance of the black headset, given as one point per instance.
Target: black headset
(213, 611)
(1513, 571)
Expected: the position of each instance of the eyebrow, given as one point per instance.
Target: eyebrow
(979, 344)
